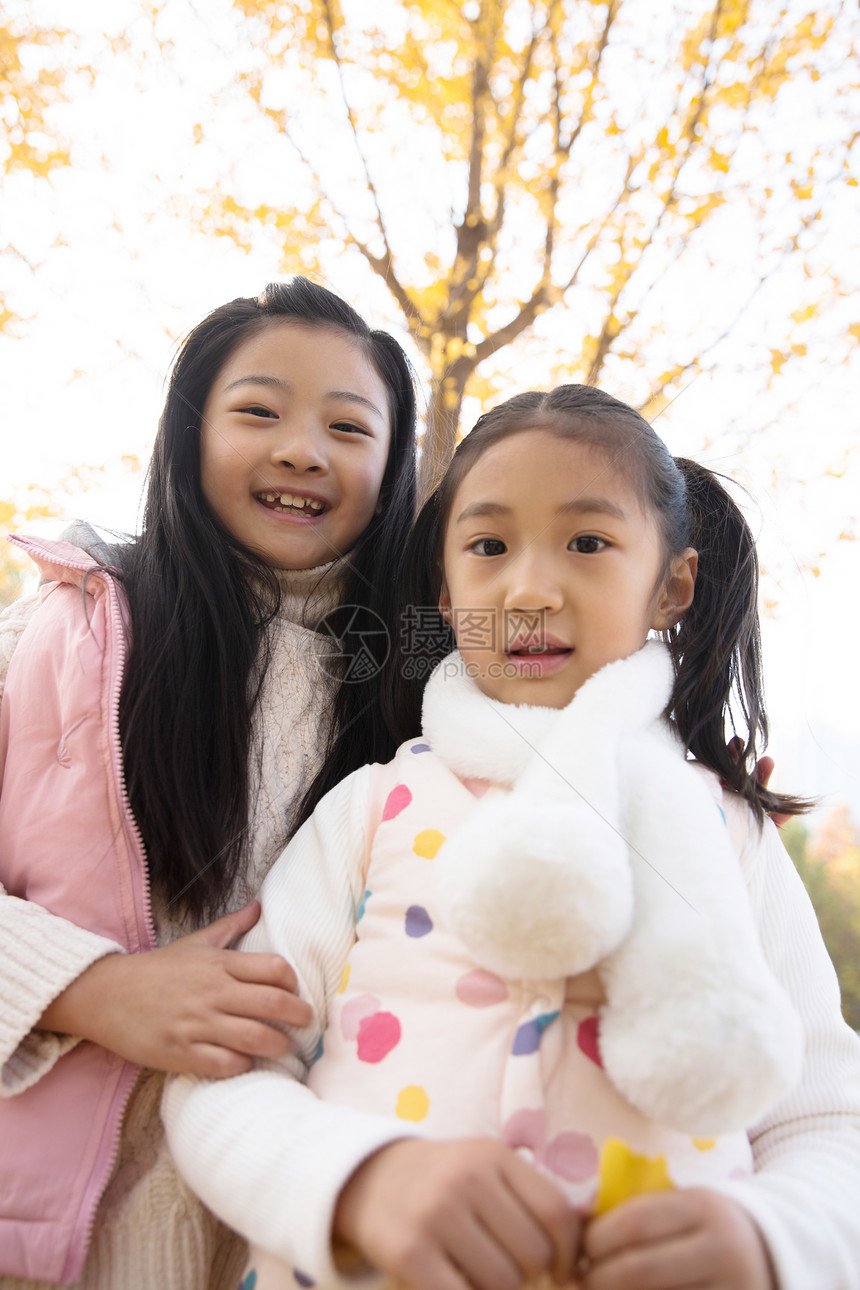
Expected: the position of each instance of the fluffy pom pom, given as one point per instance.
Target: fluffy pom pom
(535, 888)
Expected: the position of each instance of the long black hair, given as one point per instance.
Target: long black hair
(717, 702)
(200, 604)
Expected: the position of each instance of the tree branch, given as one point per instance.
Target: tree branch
(382, 265)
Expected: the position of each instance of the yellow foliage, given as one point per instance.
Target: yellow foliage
(506, 95)
(15, 515)
(804, 315)
(732, 15)
(27, 141)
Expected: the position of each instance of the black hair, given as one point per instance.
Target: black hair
(715, 648)
(200, 604)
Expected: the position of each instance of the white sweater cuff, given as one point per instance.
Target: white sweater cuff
(41, 955)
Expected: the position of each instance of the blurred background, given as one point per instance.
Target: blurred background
(658, 198)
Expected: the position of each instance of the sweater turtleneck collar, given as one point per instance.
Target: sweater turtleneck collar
(307, 595)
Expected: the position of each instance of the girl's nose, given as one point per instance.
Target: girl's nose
(531, 584)
(301, 449)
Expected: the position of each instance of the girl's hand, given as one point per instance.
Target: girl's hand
(676, 1240)
(193, 1007)
(457, 1215)
(763, 772)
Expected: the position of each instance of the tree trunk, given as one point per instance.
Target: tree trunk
(443, 425)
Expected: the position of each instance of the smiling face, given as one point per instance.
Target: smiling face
(294, 442)
(552, 569)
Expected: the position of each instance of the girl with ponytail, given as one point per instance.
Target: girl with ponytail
(557, 935)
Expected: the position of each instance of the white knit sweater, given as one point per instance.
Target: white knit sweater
(271, 1159)
(150, 1229)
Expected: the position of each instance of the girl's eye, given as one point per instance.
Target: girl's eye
(348, 426)
(488, 546)
(257, 410)
(587, 544)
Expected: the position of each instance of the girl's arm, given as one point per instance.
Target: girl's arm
(805, 1195)
(192, 1006)
(794, 1224)
(40, 954)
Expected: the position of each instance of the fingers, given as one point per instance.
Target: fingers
(266, 969)
(640, 1220)
(676, 1240)
(764, 770)
(229, 926)
(267, 1003)
(559, 1225)
(488, 1260)
(208, 1061)
(470, 1208)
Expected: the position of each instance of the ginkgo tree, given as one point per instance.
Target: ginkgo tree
(31, 82)
(518, 167)
(32, 76)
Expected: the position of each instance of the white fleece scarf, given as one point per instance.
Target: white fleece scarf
(610, 851)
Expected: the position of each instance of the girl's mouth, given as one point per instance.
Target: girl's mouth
(538, 660)
(292, 504)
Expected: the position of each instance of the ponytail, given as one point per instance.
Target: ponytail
(716, 648)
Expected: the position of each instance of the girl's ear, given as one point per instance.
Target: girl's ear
(676, 595)
(445, 601)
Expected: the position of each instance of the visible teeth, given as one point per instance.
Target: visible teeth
(289, 499)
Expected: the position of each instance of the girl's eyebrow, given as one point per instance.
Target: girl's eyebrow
(579, 506)
(280, 384)
(258, 380)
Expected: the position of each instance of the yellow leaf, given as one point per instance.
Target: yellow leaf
(624, 1174)
(804, 315)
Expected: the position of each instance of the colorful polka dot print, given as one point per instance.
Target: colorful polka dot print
(398, 800)
(412, 1103)
(529, 1034)
(427, 843)
(481, 989)
(588, 1039)
(418, 921)
(377, 1035)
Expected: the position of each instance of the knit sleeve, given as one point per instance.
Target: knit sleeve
(805, 1192)
(40, 954)
(261, 1150)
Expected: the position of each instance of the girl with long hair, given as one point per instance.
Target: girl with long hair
(171, 709)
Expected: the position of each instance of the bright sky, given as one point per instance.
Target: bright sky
(121, 275)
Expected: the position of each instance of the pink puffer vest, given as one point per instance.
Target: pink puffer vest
(68, 841)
